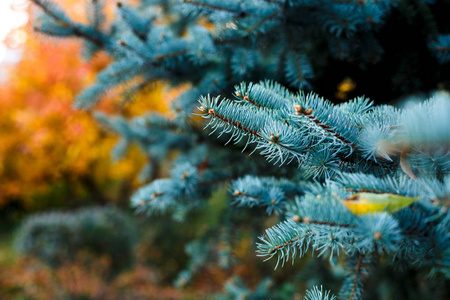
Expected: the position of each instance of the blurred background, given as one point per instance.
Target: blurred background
(56, 172)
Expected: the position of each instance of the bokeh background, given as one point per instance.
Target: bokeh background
(55, 167)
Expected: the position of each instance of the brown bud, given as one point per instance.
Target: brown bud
(275, 137)
(273, 201)
(211, 111)
(202, 108)
(142, 203)
(377, 236)
(119, 4)
(238, 94)
(236, 193)
(185, 175)
(298, 108)
(308, 112)
(296, 218)
(435, 201)
(306, 220)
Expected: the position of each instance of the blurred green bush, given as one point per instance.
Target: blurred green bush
(58, 237)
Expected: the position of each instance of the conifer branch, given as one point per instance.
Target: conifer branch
(299, 110)
(51, 14)
(98, 42)
(131, 49)
(41, 30)
(357, 274)
(237, 193)
(365, 191)
(216, 7)
(307, 220)
(293, 46)
(264, 20)
(237, 124)
(274, 1)
(159, 57)
(171, 54)
(248, 99)
(281, 246)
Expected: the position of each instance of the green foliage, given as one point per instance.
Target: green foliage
(58, 237)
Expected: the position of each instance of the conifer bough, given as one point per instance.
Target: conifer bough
(328, 154)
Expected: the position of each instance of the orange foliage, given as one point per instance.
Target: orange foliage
(80, 280)
(43, 140)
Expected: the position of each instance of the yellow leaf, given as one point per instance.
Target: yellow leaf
(364, 203)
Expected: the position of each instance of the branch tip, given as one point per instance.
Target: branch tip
(154, 195)
(296, 218)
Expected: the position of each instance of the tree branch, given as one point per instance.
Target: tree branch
(98, 42)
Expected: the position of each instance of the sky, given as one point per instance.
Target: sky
(12, 16)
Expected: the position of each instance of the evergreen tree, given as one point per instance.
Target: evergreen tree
(365, 186)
